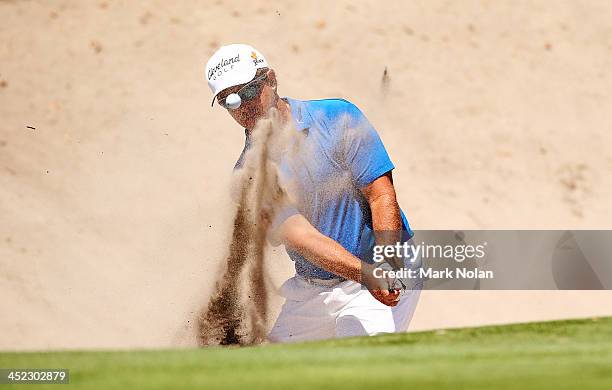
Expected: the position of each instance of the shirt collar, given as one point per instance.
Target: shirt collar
(299, 113)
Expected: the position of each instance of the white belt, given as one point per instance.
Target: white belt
(320, 282)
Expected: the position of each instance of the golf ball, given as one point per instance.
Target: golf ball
(233, 101)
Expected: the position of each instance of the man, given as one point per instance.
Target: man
(322, 233)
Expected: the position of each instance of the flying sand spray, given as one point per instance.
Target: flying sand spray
(237, 311)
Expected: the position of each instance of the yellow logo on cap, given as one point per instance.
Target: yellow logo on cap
(255, 59)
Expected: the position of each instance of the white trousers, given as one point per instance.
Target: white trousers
(313, 312)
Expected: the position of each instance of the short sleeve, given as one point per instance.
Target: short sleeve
(281, 215)
(365, 155)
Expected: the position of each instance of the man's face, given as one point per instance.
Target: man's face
(250, 111)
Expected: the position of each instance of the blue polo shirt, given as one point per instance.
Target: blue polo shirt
(341, 154)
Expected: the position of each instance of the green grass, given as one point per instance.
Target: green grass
(560, 355)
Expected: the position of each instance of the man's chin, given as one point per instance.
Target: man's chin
(252, 121)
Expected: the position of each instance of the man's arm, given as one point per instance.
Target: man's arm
(299, 235)
(381, 197)
(386, 215)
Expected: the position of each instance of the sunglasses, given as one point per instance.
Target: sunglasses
(249, 91)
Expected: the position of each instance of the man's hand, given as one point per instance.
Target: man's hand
(386, 297)
(380, 288)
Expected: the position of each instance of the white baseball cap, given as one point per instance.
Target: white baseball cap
(233, 65)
